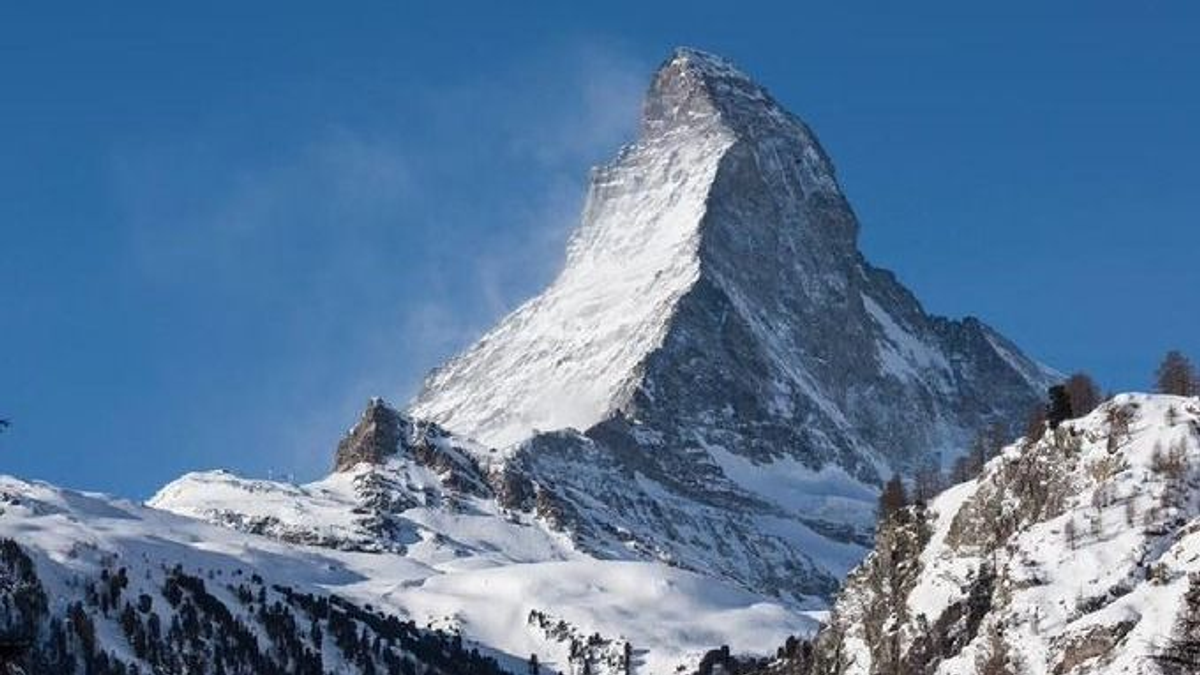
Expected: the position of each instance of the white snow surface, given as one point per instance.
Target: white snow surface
(473, 567)
(564, 359)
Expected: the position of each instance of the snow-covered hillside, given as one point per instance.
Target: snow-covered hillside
(475, 585)
(1076, 553)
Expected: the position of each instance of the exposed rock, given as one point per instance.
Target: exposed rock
(373, 439)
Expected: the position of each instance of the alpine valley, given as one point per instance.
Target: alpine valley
(678, 445)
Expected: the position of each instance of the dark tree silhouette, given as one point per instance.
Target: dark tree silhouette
(1059, 408)
(1176, 375)
(928, 480)
(1035, 425)
(1083, 394)
(893, 498)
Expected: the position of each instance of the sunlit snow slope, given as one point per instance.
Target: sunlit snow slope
(457, 577)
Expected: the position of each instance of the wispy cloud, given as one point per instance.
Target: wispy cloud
(373, 253)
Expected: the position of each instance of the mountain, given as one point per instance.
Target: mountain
(1076, 553)
(717, 380)
(717, 367)
(714, 293)
(677, 445)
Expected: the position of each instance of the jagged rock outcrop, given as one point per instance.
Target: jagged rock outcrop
(375, 438)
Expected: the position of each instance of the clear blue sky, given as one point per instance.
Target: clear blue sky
(224, 228)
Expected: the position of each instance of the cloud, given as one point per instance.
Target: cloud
(366, 254)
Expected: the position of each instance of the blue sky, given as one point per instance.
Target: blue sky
(225, 227)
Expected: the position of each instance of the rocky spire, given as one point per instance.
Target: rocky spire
(373, 439)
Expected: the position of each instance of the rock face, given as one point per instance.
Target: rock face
(1077, 552)
(717, 368)
(382, 434)
(372, 440)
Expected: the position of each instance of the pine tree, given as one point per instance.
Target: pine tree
(1182, 653)
(893, 498)
(1059, 408)
(1176, 375)
(928, 481)
(1083, 394)
(1035, 425)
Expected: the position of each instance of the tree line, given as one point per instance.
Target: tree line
(1075, 397)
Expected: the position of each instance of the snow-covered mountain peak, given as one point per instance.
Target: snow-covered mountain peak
(694, 88)
(716, 340)
(715, 283)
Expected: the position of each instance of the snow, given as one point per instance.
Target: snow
(675, 616)
(904, 355)
(563, 359)
(829, 493)
(938, 590)
(474, 568)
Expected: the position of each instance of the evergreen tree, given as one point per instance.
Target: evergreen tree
(1059, 408)
(1182, 653)
(928, 481)
(1083, 394)
(1035, 425)
(893, 498)
(1176, 375)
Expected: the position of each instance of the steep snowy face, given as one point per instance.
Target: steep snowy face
(566, 358)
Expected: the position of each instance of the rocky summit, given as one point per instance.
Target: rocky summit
(717, 365)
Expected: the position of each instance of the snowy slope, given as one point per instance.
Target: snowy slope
(464, 586)
(565, 358)
(1071, 554)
